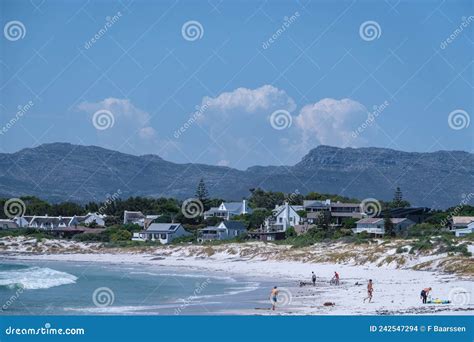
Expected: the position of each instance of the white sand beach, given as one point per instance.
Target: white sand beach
(397, 284)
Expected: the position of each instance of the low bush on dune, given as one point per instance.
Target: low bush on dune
(27, 232)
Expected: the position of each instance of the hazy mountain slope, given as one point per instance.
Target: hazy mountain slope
(60, 171)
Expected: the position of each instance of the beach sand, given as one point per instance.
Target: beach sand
(396, 290)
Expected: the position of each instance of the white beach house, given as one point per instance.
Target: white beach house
(162, 232)
(137, 217)
(375, 225)
(460, 232)
(52, 222)
(91, 218)
(283, 217)
(224, 231)
(227, 210)
(337, 210)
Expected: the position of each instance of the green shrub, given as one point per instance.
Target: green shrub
(401, 250)
(290, 232)
(120, 235)
(422, 244)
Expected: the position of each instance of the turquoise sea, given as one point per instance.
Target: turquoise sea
(72, 288)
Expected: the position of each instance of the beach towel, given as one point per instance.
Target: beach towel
(438, 301)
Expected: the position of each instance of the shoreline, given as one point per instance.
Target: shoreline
(395, 292)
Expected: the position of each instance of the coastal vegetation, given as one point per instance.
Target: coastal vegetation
(426, 236)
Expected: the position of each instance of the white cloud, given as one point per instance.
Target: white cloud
(330, 122)
(147, 133)
(127, 117)
(246, 100)
(223, 162)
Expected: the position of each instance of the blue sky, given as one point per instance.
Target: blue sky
(209, 98)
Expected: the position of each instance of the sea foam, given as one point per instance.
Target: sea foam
(32, 278)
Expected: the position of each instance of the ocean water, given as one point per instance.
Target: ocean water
(67, 288)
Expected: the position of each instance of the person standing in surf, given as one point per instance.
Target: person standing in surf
(273, 297)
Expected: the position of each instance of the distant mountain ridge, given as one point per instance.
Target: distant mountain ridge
(62, 171)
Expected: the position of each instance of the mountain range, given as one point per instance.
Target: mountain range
(65, 172)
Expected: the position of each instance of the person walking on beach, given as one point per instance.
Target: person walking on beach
(370, 290)
(313, 278)
(336, 278)
(424, 294)
(273, 297)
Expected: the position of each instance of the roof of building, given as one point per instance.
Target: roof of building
(373, 220)
(163, 227)
(462, 219)
(237, 225)
(54, 220)
(9, 222)
(233, 207)
(316, 203)
(27, 218)
(211, 228)
(133, 215)
(327, 203)
(344, 205)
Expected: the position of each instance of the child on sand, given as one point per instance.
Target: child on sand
(370, 290)
(273, 297)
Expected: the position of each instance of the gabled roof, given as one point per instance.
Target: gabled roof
(163, 227)
(51, 220)
(277, 211)
(233, 206)
(237, 225)
(27, 218)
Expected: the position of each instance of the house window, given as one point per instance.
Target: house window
(163, 236)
